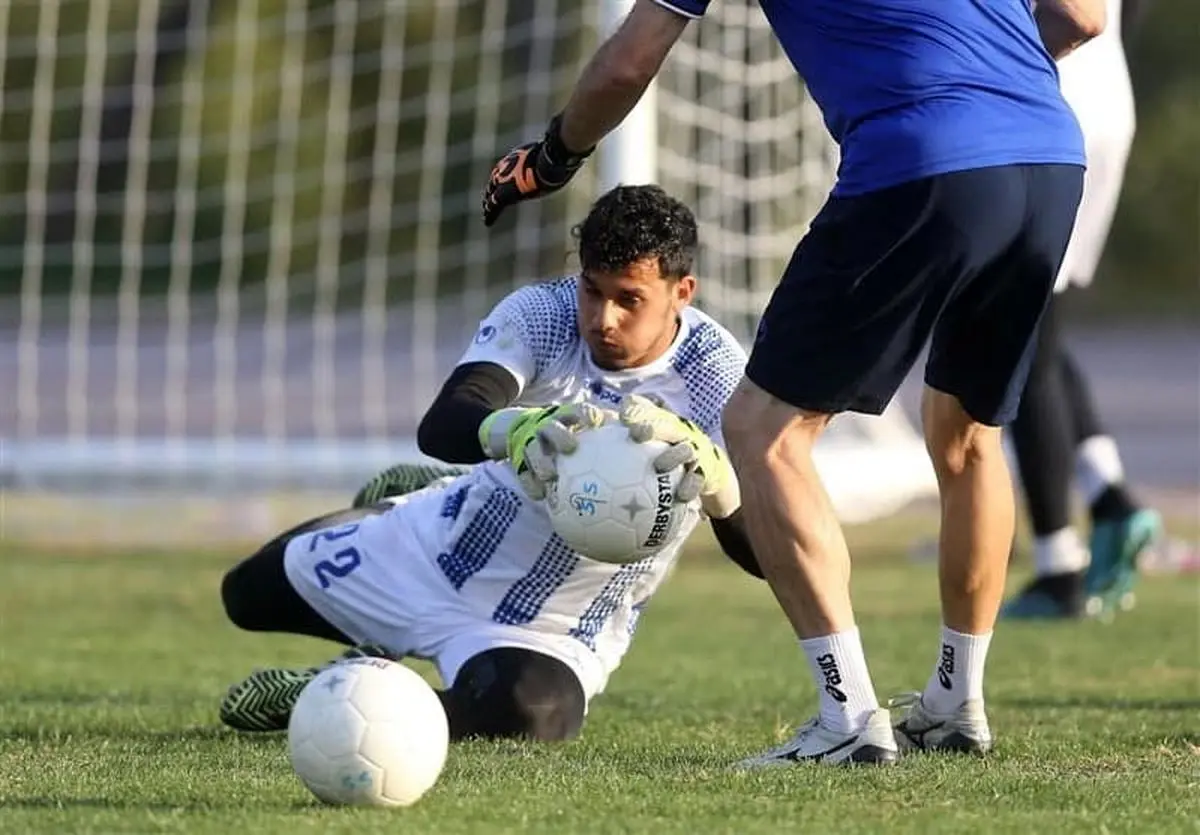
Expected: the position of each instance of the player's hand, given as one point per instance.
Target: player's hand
(707, 471)
(532, 170)
(532, 438)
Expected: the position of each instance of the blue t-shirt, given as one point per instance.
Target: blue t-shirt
(913, 88)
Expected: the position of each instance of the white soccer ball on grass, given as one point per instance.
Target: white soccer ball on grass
(608, 502)
(368, 732)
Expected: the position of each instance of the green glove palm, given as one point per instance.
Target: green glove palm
(530, 438)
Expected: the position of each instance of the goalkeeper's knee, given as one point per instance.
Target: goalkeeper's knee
(512, 692)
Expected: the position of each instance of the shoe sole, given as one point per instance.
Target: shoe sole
(263, 701)
(872, 755)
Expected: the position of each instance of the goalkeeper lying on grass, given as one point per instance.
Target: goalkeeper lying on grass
(459, 565)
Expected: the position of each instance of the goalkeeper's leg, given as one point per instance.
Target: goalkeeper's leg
(258, 597)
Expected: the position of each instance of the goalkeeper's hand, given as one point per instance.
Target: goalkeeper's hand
(532, 170)
(707, 471)
(531, 439)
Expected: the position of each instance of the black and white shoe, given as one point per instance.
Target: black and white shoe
(965, 731)
(263, 700)
(873, 744)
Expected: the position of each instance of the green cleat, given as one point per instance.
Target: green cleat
(263, 701)
(1116, 547)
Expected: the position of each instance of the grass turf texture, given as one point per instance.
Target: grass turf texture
(113, 665)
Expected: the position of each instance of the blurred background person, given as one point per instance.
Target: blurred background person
(1057, 428)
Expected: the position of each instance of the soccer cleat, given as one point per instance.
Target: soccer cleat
(401, 480)
(1056, 596)
(874, 744)
(263, 700)
(965, 731)
(1116, 546)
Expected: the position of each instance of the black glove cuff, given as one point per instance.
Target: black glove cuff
(558, 154)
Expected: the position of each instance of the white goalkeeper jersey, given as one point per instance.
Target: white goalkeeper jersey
(502, 556)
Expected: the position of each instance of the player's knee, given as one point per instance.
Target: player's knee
(242, 594)
(516, 693)
(955, 440)
(761, 429)
(236, 599)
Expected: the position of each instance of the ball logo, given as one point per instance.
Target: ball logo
(584, 501)
(662, 512)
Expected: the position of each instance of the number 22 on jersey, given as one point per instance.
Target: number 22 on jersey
(342, 562)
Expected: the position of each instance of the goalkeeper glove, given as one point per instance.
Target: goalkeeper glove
(400, 480)
(532, 170)
(531, 438)
(707, 471)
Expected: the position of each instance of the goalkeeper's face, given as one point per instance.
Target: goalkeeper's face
(630, 316)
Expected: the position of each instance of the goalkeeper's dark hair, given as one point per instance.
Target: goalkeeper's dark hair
(631, 223)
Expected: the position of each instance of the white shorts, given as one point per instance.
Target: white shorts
(1106, 158)
(1095, 82)
(377, 581)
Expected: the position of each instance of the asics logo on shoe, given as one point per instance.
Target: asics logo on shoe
(946, 667)
(833, 677)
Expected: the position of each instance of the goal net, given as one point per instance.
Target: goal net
(240, 245)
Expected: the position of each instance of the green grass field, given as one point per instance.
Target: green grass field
(113, 665)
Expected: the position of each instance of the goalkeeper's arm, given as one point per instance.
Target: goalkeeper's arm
(735, 542)
(450, 429)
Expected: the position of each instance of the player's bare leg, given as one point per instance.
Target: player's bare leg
(977, 524)
(802, 551)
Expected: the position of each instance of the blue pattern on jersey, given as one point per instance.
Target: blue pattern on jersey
(526, 597)
(546, 316)
(452, 504)
(601, 609)
(711, 364)
(635, 616)
(482, 537)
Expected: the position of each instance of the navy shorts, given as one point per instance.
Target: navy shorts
(964, 261)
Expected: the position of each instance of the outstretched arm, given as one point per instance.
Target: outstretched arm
(619, 73)
(610, 86)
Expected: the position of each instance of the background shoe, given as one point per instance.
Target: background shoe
(1116, 546)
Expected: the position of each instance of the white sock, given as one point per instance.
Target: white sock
(958, 673)
(839, 669)
(1097, 467)
(1061, 552)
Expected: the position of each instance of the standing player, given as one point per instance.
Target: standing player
(961, 170)
(1057, 424)
(468, 572)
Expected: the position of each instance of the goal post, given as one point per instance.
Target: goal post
(240, 243)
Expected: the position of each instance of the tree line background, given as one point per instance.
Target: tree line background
(1152, 265)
